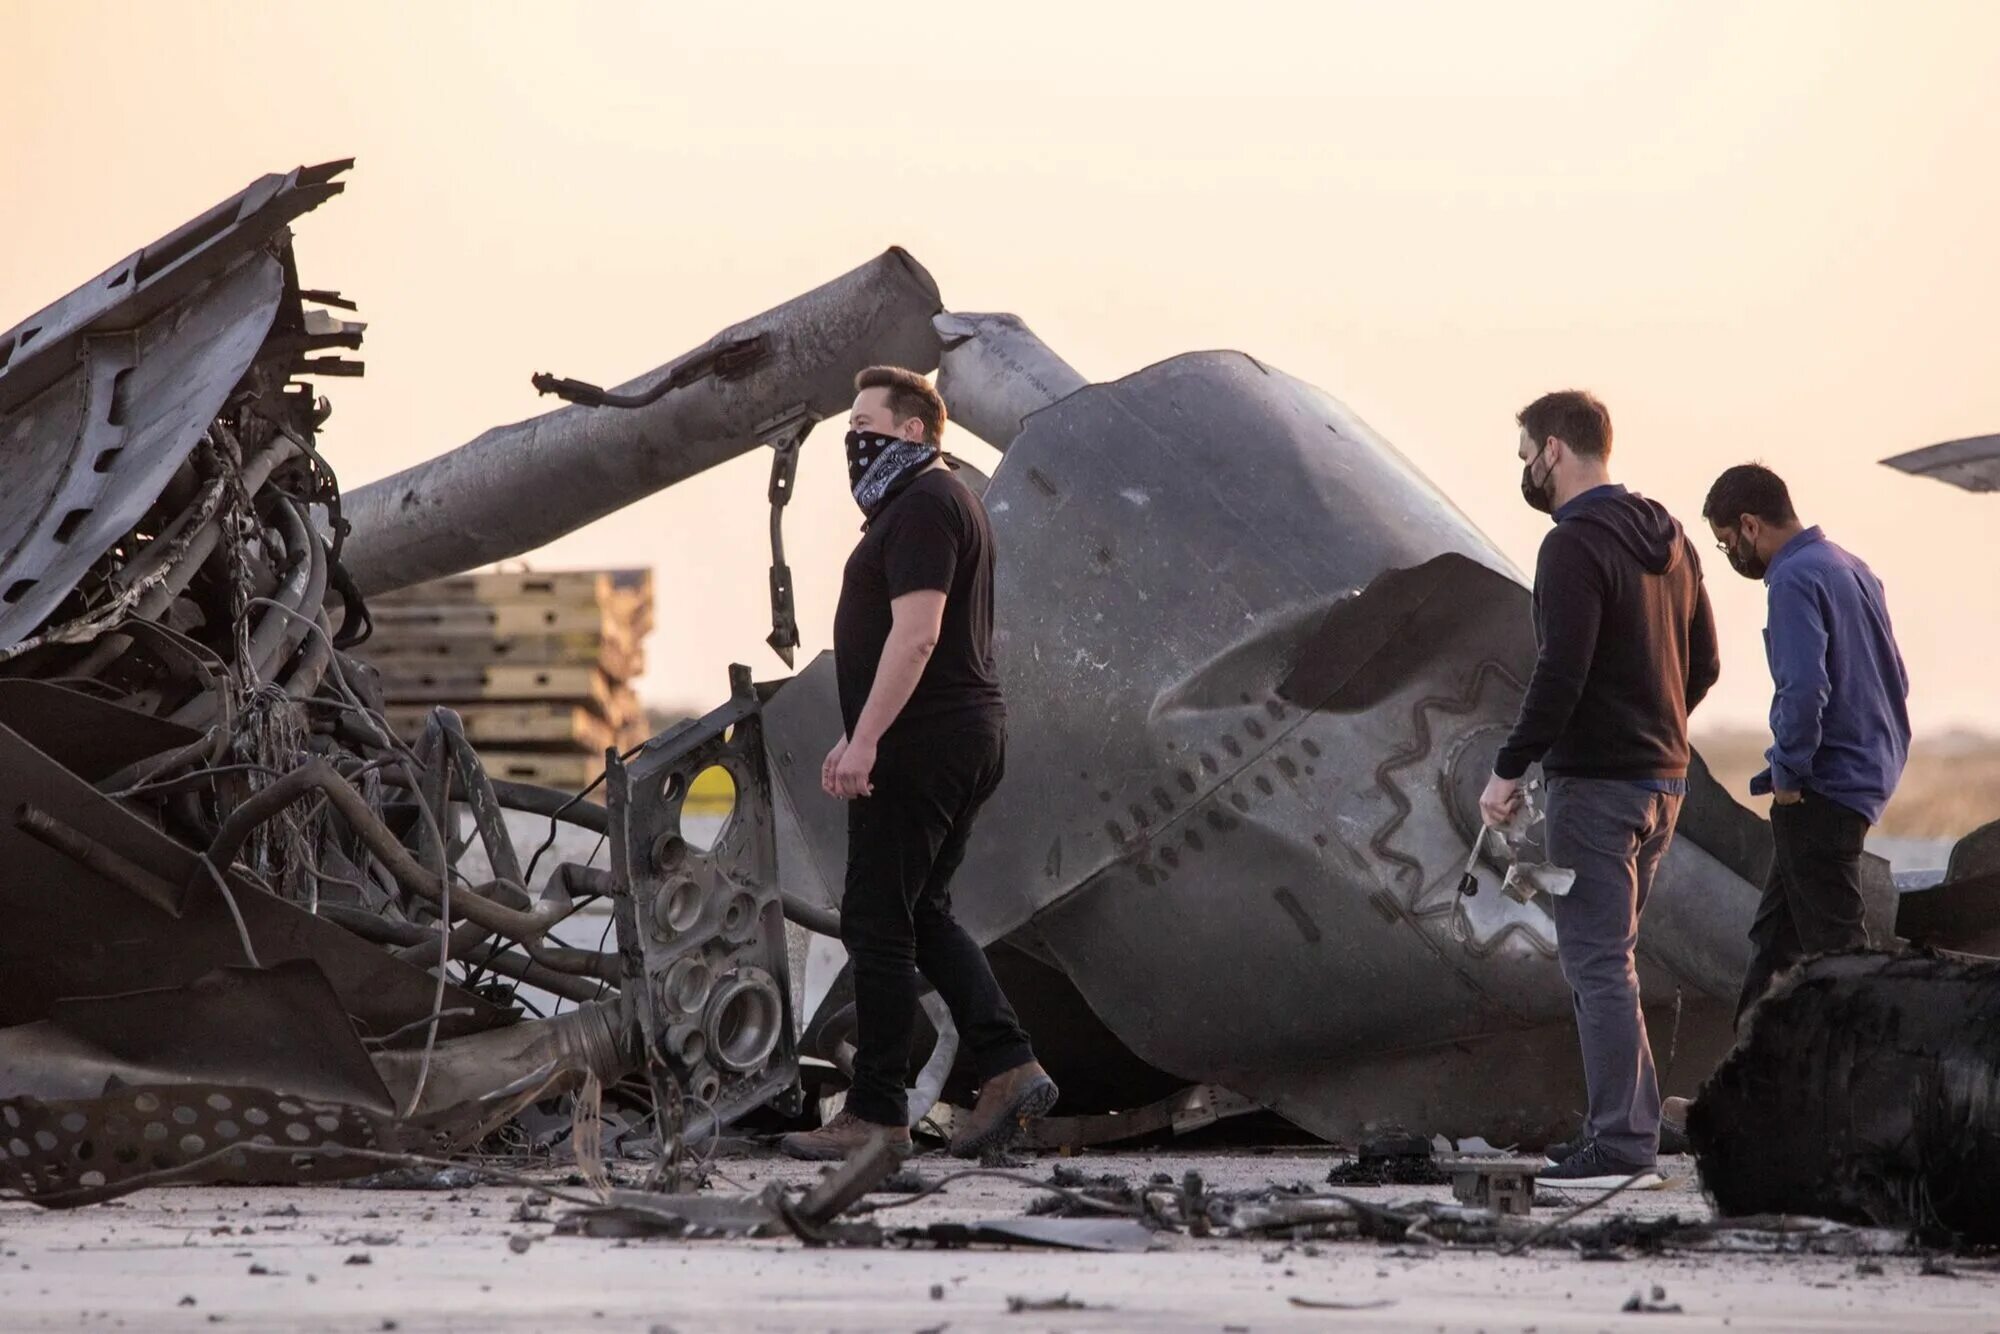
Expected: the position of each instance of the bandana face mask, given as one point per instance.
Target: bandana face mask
(879, 466)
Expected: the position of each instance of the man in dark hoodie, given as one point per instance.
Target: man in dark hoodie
(1626, 647)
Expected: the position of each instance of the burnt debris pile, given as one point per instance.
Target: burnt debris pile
(1867, 1089)
(256, 928)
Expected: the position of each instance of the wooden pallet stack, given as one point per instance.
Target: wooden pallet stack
(539, 665)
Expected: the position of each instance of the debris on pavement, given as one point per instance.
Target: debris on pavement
(1396, 1159)
(1026, 1305)
(267, 937)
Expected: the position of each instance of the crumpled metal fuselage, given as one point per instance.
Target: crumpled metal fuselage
(1257, 667)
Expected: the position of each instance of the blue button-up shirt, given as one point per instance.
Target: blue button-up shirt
(1840, 723)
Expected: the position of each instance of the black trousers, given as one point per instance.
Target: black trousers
(903, 845)
(1812, 901)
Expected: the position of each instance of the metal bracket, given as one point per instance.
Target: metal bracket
(725, 361)
(784, 433)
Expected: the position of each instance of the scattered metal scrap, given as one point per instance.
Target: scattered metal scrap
(255, 953)
(1260, 666)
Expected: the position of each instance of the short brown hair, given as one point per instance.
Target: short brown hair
(1572, 416)
(910, 395)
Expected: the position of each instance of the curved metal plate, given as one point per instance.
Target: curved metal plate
(1256, 669)
(1972, 463)
(88, 457)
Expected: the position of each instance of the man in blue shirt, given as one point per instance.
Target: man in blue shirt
(1840, 728)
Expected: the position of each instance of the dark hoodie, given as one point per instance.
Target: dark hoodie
(1627, 644)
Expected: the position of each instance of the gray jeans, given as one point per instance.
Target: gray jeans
(1612, 834)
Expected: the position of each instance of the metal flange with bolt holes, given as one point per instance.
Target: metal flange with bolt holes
(701, 931)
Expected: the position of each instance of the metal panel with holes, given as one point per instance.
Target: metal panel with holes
(700, 928)
(104, 392)
(87, 458)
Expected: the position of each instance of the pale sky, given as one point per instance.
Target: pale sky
(1763, 231)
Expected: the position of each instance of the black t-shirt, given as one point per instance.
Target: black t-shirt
(935, 536)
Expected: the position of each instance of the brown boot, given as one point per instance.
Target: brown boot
(1007, 1102)
(843, 1135)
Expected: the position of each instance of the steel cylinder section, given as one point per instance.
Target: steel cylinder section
(518, 487)
(995, 372)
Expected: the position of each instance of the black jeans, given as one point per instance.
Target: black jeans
(903, 845)
(1812, 901)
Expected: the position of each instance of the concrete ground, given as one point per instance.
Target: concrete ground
(342, 1259)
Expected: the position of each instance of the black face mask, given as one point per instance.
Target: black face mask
(879, 466)
(1745, 560)
(1541, 496)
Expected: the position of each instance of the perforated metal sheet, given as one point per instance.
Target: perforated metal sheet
(79, 1152)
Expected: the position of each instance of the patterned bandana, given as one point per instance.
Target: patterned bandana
(880, 466)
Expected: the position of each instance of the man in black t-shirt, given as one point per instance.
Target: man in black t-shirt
(923, 746)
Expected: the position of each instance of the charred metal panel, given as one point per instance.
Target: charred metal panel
(701, 929)
(45, 347)
(94, 937)
(94, 737)
(132, 1136)
(1866, 1088)
(90, 456)
(244, 1075)
(281, 1027)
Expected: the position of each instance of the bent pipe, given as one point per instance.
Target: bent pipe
(812, 917)
(316, 775)
(520, 486)
(383, 931)
(552, 802)
(570, 880)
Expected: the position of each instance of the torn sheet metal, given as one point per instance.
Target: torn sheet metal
(1972, 463)
(1257, 669)
(283, 1026)
(1102, 1235)
(256, 1075)
(71, 952)
(107, 1093)
(231, 874)
(122, 376)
